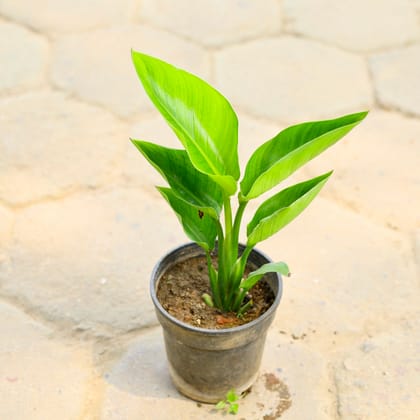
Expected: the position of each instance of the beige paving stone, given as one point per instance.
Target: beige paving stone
(40, 378)
(23, 55)
(416, 240)
(214, 22)
(355, 25)
(395, 76)
(304, 371)
(377, 170)
(97, 65)
(51, 144)
(68, 15)
(84, 262)
(349, 276)
(6, 222)
(139, 384)
(291, 79)
(380, 378)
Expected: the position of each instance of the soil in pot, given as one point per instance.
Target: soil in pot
(180, 290)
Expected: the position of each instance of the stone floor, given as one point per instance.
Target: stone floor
(81, 225)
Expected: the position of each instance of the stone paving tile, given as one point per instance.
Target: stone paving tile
(68, 15)
(235, 20)
(97, 65)
(85, 261)
(52, 144)
(139, 384)
(39, 378)
(349, 276)
(416, 240)
(6, 222)
(356, 25)
(377, 170)
(395, 76)
(380, 378)
(301, 79)
(26, 56)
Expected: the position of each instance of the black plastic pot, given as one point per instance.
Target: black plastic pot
(205, 364)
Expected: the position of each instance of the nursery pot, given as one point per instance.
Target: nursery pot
(204, 363)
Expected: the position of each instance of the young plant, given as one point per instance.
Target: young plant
(204, 176)
(230, 403)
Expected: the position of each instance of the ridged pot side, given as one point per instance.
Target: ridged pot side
(204, 364)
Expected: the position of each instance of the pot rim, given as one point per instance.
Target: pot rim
(215, 332)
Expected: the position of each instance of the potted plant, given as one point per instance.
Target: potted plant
(205, 363)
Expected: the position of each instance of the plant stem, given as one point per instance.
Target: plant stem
(237, 278)
(221, 269)
(244, 308)
(231, 252)
(237, 222)
(227, 253)
(238, 300)
(228, 215)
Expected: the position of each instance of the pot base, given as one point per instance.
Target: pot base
(190, 391)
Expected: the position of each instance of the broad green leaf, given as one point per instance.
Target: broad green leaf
(189, 184)
(220, 405)
(255, 276)
(200, 116)
(200, 228)
(282, 208)
(279, 157)
(231, 396)
(233, 409)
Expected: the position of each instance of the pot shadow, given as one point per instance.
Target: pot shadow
(142, 369)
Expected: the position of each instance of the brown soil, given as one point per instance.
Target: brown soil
(180, 290)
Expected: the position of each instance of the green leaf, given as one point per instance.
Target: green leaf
(207, 300)
(189, 184)
(233, 409)
(220, 405)
(282, 208)
(255, 276)
(279, 157)
(201, 229)
(200, 116)
(231, 396)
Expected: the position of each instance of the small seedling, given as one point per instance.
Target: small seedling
(230, 403)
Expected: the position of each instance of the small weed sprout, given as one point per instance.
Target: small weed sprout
(230, 403)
